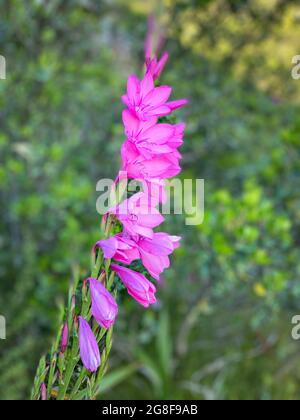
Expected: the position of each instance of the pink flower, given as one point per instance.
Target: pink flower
(138, 167)
(146, 101)
(138, 216)
(141, 289)
(152, 139)
(89, 351)
(119, 247)
(135, 128)
(155, 252)
(104, 306)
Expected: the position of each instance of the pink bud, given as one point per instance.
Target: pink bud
(140, 288)
(64, 338)
(104, 306)
(43, 392)
(89, 350)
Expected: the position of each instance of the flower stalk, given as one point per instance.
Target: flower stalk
(79, 357)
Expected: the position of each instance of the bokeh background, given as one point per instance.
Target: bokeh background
(222, 329)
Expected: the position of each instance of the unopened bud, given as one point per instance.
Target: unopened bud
(64, 338)
(43, 392)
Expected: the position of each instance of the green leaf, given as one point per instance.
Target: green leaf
(164, 343)
(114, 378)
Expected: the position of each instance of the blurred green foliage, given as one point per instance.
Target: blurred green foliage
(222, 327)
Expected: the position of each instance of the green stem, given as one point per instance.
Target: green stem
(64, 369)
(78, 383)
(71, 364)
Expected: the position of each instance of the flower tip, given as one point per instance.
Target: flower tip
(177, 104)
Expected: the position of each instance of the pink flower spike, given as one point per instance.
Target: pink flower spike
(89, 350)
(104, 306)
(140, 288)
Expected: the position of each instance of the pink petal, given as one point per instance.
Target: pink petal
(150, 220)
(158, 96)
(126, 100)
(160, 111)
(161, 65)
(161, 244)
(109, 246)
(133, 89)
(130, 122)
(159, 133)
(147, 85)
(177, 104)
(155, 264)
